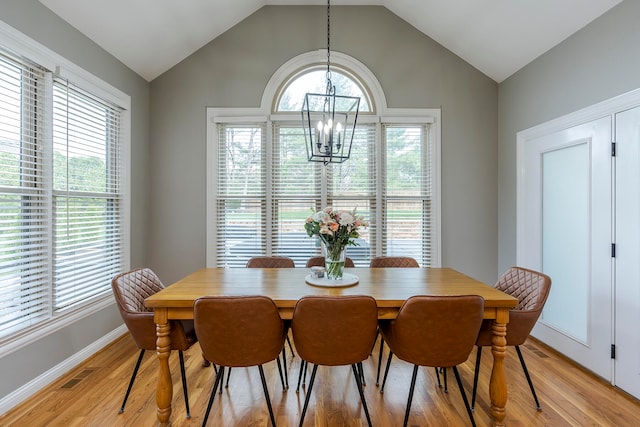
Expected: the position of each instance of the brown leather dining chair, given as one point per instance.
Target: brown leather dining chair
(435, 331)
(318, 261)
(335, 331)
(532, 289)
(130, 290)
(239, 331)
(275, 262)
(270, 262)
(391, 262)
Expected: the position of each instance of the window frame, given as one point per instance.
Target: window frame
(58, 66)
(379, 116)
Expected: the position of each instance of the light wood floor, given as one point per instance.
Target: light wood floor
(91, 395)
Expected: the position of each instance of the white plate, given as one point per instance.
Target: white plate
(347, 280)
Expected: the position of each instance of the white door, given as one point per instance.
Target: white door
(627, 261)
(565, 230)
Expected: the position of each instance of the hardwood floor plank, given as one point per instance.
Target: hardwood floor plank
(91, 395)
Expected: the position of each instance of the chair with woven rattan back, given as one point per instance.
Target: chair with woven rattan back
(532, 289)
(270, 262)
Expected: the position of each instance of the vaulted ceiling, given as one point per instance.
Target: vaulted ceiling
(498, 37)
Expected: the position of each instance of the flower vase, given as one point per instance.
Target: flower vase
(334, 261)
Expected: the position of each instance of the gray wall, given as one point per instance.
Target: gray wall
(414, 71)
(597, 63)
(33, 19)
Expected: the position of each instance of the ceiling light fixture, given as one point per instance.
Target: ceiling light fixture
(329, 120)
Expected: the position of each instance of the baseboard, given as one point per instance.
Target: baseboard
(21, 394)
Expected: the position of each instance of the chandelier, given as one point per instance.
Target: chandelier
(329, 120)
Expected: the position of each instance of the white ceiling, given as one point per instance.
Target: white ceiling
(498, 37)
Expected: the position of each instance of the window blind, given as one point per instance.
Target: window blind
(87, 195)
(240, 211)
(24, 236)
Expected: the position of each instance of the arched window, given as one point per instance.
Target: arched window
(261, 187)
(314, 80)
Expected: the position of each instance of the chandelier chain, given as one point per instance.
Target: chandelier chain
(328, 46)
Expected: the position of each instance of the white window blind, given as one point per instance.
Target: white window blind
(24, 215)
(241, 194)
(407, 190)
(62, 196)
(87, 199)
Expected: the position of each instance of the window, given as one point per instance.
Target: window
(262, 187)
(63, 195)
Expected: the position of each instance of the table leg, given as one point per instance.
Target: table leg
(498, 384)
(164, 389)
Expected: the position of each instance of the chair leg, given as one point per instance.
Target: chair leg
(361, 372)
(386, 371)
(226, 385)
(266, 395)
(357, 374)
(413, 385)
(303, 368)
(444, 379)
(218, 380)
(379, 359)
(280, 372)
(476, 373)
(293, 354)
(222, 377)
(438, 376)
(184, 382)
(284, 365)
(464, 396)
(133, 377)
(306, 399)
(526, 374)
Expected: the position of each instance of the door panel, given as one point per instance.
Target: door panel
(566, 233)
(627, 238)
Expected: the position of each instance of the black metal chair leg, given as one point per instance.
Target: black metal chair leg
(219, 378)
(526, 374)
(284, 365)
(293, 354)
(280, 372)
(444, 379)
(222, 378)
(464, 395)
(266, 395)
(438, 377)
(184, 382)
(357, 374)
(133, 378)
(379, 359)
(476, 373)
(361, 372)
(306, 399)
(413, 385)
(386, 371)
(303, 368)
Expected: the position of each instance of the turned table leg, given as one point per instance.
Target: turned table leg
(164, 390)
(498, 384)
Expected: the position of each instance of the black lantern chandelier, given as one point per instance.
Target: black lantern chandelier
(329, 120)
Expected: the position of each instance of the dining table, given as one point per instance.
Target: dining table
(390, 287)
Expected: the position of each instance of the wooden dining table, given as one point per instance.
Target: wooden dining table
(389, 286)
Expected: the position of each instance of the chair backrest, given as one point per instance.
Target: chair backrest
(270, 262)
(334, 330)
(532, 289)
(435, 331)
(319, 262)
(130, 289)
(393, 261)
(238, 331)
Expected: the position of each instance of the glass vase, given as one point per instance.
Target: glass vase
(334, 261)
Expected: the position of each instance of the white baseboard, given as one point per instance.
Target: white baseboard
(41, 381)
